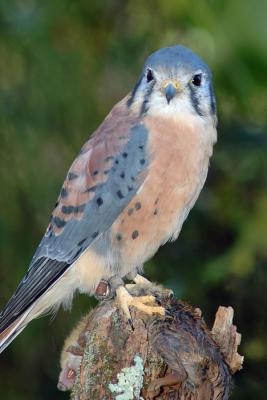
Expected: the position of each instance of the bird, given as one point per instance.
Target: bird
(127, 193)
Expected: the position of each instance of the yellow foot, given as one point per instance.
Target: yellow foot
(138, 280)
(125, 300)
(141, 280)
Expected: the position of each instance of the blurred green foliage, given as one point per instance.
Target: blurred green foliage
(63, 65)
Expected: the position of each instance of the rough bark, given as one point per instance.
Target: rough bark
(171, 357)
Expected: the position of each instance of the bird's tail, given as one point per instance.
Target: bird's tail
(12, 331)
(37, 294)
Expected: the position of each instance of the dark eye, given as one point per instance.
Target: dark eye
(149, 75)
(197, 79)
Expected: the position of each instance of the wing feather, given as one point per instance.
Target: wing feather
(100, 183)
(35, 283)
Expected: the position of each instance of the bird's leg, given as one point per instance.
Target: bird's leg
(125, 300)
(141, 280)
(137, 278)
(115, 285)
(145, 302)
(106, 289)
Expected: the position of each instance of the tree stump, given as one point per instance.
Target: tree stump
(171, 357)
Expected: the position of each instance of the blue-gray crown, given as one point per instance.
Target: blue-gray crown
(176, 57)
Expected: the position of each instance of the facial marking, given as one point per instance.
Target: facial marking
(195, 101)
(180, 84)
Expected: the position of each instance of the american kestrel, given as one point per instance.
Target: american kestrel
(128, 191)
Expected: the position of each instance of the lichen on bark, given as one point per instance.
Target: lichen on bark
(180, 357)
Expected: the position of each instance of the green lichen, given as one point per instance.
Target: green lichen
(97, 349)
(116, 321)
(130, 381)
(117, 336)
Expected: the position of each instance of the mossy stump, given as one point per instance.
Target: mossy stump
(171, 357)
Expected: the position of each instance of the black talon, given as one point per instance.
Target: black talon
(130, 321)
(168, 313)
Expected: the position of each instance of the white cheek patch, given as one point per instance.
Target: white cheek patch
(179, 106)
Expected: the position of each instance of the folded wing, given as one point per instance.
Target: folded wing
(103, 179)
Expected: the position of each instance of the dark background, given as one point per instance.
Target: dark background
(63, 65)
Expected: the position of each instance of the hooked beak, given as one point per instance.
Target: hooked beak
(170, 88)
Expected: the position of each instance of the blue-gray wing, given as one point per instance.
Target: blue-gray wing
(87, 207)
(103, 179)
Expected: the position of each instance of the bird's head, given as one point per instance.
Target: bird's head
(175, 81)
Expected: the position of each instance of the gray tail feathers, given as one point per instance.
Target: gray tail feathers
(40, 278)
(9, 334)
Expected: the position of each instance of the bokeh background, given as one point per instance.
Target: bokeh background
(63, 65)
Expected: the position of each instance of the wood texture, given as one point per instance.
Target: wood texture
(173, 357)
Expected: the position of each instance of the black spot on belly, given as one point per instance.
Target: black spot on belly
(135, 234)
(119, 236)
(122, 175)
(156, 211)
(124, 155)
(142, 161)
(138, 206)
(95, 172)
